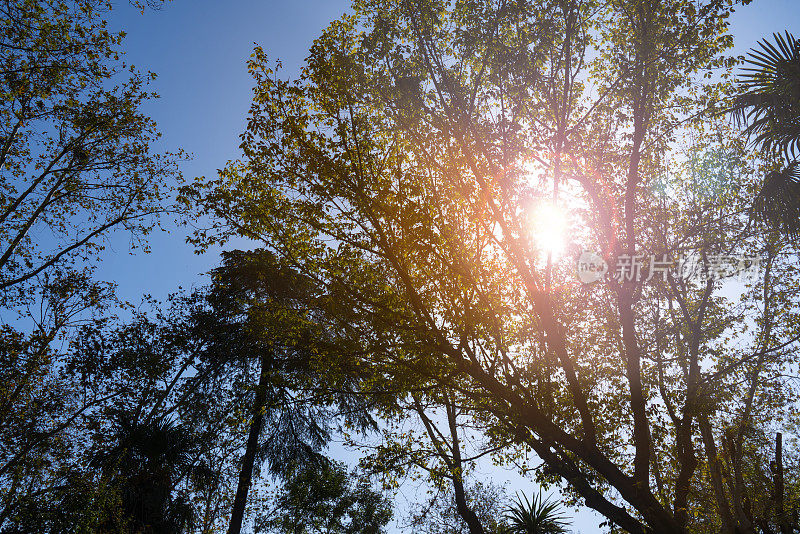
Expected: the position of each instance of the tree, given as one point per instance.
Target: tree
(75, 159)
(239, 359)
(768, 104)
(445, 450)
(440, 515)
(401, 171)
(324, 499)
(146, 467)
(75, 164)
(41, 404)
(255, 306)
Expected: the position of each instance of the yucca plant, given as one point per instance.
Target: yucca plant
(536, 516)
(769, 109)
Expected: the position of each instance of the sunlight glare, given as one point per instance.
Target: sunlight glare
(549, 229)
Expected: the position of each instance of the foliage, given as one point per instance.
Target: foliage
(400, 286)
(167, 400)
(400, 171)
(324, 499)
(41, 404)
(145, 466)
(76, 164)
(75, 159)
(778, 201)
(769, 108)
(539, 516)
(771, 92)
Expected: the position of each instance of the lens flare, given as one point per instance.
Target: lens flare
(548, 227)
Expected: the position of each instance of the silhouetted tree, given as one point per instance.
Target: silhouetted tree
(146, 468)
(325, 499)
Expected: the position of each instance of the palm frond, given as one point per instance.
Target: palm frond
(778, 202)
(769, 107)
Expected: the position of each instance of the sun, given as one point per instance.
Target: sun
(548, 227)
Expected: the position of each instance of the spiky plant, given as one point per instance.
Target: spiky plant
(769, 109)
(778, 201)
(536, 516)
(769, 106)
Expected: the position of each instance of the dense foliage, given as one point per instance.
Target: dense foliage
(401, 170)
(406, 295)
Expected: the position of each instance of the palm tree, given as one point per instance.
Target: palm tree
(146, 466)
(770, 108)
(539, 516)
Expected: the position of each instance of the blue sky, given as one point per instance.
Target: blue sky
(199, 49)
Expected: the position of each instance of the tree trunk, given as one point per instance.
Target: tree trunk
(462, 507)
(780, 511)
(248, 460)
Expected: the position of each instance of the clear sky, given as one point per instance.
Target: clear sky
(199, 50)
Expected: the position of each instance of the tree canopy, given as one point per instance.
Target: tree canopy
(557, 237)
(401, 171)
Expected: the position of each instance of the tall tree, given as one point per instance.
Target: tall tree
(258, 303)
(402, 171)
(76, 148)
